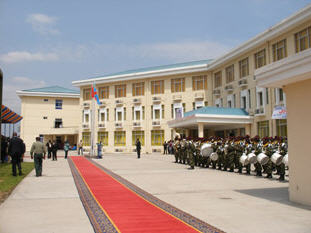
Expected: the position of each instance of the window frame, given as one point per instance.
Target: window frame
(103, 92)
(138, 89)
(244, 67)
(120, 91)
(260, 59)
(218, 79)
(157, 87)
(230, 73)
(177, 85)
(199, 82)
(277, 47)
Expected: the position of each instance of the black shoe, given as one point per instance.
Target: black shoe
(14, 174)
(248, 173)
(240, 171)
(269, 176)
(282, 178)
(231, 170)
(20, 174)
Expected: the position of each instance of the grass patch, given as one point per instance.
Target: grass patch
(8, 182)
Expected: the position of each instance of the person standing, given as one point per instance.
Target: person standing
(37, 152)
(80, 147)
(66, 148)
(54, 150)
(138, 148)
(49, 147)
(99, 150)
(4, 147)
(16, 151)
(165, 147)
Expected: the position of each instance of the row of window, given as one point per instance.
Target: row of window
(157, 138)
(279, 51)
(58, 103)
(264, 129)
(138, 112)
(157, 87)
(262, 98)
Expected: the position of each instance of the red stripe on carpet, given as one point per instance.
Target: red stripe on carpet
(128, 211)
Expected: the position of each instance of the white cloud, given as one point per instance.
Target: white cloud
(24, 56)
(43, 24)
(11, 85)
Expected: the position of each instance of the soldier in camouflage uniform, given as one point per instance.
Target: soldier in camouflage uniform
(239, 148)
(230, 155)
(190, 154)
(283, 152)
(176, 150)
(248, 150)
(220, 152)
(268, 150)
(214, 146)
(257, 150)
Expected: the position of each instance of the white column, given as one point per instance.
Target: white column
(200, 130)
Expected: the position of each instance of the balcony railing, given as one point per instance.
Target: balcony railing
(137, 101)
(136, 124)
(86, 105)
(216, 92)
(156, 99)
(119, 102)
(199, 95)
(101, 125)
(243, 82)
(177, 97)
(260, 111)
(156, 123)
(229, 88)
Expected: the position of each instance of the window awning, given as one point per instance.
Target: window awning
(8, 116)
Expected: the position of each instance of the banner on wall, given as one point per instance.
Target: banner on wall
(279, 112)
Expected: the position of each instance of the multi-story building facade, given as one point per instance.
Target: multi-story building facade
(140, 103)
(49, 113)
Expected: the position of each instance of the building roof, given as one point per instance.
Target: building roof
(192, 66)
(53, 89)
(218, 111)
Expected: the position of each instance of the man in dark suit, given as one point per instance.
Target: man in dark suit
(138, 148)
(16, 151)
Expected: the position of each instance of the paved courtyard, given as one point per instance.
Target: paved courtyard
(229, 201)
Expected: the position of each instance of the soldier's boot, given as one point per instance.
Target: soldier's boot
(225, 169)
(240, 170)
(259, 173)
(269, 176)
(192, 167)
(219, 167)
(248, 171)
(214, 165)
(282, 177)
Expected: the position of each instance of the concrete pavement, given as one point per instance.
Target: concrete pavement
(231, 202)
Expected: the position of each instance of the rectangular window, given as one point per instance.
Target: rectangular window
(260, 59)
(281, 127)
(199, 82)
(157, 137)
(217, 79)
(120, 91)
(87, 94)
(303, 40)
(46, 100)
(249, 99)
(86, 116)
(119, 138)
(244, 68)
(103, 114)
(157, 87)
(178, 85)
(86, 138)
(279, 50)
(58, 104)
(281, 97)
(103, 137)
(140, 135)
(58, 123)
(103, 92)
(138, 89)
(263, 128)
(230, 74)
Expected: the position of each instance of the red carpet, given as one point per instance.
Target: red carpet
(127, 211)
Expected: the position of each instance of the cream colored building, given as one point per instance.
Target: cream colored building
(50, 113)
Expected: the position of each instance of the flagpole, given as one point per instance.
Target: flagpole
(93, 127)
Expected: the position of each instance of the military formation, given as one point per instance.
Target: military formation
(240, 154)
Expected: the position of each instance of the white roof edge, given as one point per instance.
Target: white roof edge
(272, 32)
(287, 23)
(47, 94)
(140, 75)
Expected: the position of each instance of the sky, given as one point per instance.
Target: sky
(54, 42)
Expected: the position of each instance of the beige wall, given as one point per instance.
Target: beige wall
(34, 108)
(299, 128)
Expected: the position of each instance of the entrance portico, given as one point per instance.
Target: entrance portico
(210, 121)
